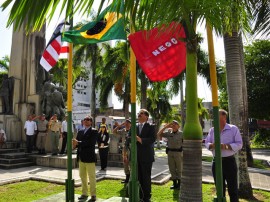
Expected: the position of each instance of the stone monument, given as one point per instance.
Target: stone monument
(27, 80)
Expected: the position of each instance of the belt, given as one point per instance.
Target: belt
(228, 157)
(42, 131)
(55, 131)
(175, 150)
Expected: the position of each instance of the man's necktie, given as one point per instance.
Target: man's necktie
(140, 128)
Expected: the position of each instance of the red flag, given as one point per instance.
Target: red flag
(161, 54)
(55, 48)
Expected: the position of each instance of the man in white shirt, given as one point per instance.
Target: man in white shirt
(64, 134)
(30, 128)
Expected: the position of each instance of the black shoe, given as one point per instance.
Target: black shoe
(126, 180)
(174, 186)
(82, 197)
(93, 198)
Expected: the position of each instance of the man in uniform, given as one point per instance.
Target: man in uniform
(55, 131)
(124, 134)
(174, 151)
(42, 126)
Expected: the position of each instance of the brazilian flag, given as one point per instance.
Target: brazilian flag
(109, 25)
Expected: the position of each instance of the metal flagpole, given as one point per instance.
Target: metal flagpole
(133, 184)
(69, 181)
(213, 77)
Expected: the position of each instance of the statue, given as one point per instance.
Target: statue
(52, 101)
(58, 103)
(6, 92)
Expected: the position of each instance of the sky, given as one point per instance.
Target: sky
(203, 89)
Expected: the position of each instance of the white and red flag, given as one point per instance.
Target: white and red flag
(56, 48)
(160, 54)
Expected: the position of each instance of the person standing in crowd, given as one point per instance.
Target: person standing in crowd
(30, 128)
(103, 147)
(116, 124)
(81, 126)
(42, 127)
(64, 131)
(231, 143)
(145, 153)
(124, 134)
(55, 131)
(86, 156)
(174, 151)
(3, 138)
(103, 123)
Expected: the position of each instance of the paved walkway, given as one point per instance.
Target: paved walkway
(260, 179)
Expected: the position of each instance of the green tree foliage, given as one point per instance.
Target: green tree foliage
(257, 58)
(4, 66)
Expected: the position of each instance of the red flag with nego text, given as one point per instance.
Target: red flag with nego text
(161, 53)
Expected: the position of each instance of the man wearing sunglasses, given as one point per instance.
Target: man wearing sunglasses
(86, 141)
(145, 153)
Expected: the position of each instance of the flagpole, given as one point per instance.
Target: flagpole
(133, 184)
(213, 77)
(69, 180)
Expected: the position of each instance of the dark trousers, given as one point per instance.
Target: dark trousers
(229, 169)
(64, 142)
(144, 177)
(30, 143)
(103, 154)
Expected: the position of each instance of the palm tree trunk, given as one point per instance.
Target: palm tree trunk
(236, 106)
(93, 95)
(191, 181)
(126, 106)
(143, 90)
(246, 138)
(182, 103)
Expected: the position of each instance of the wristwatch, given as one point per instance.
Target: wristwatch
(226, 146)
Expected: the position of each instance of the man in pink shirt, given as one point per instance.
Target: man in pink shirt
(231, 143)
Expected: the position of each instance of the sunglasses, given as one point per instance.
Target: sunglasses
(87, 119)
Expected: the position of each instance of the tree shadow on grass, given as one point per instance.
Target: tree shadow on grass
(124, 191)
(176, 195)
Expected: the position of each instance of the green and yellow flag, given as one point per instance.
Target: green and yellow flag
(108, 26)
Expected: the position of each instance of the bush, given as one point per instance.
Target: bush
(262, 137)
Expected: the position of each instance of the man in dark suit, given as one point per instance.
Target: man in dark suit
(85, 141)
(145, 153)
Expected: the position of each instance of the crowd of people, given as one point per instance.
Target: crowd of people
(37, 128)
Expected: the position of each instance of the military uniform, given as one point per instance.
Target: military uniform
(175, 154)
(125, 151)
(55, 127)
(42, 127)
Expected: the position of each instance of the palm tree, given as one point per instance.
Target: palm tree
(236, 86)
(115, 73)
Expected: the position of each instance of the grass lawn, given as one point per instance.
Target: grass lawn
(257, 163)
(33, 190)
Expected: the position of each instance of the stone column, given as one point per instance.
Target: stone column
(29, 76)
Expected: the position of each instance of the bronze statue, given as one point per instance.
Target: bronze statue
(52, 101)
(6, 92)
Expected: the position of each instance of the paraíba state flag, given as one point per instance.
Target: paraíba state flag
(109, 25)
(160, 53)
(55, 49)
